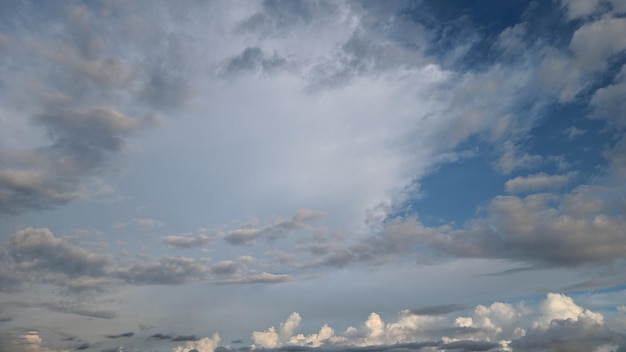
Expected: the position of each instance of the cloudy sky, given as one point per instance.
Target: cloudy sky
(313, 176)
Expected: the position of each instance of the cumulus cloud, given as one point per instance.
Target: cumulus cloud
(557, 324)
(537, 182)
(206, 344)
(30, 342)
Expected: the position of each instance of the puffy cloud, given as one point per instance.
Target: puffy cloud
(271, 338)
(595, 42)
(188, 241)
(558, 324)
(28, 342)
(206, 344)
(537, 182)
(529, 229)
(607, 100)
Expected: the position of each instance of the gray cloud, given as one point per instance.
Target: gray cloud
(168, 271)
(187, 241)
(253, 60)
(469, 345)
(87, 91)
(125, 334)
(160, 336)
(79, 309)
(438, 310)
(298, 221)
(569, 335)
(277, 16)
(39, 249)
(5, 317)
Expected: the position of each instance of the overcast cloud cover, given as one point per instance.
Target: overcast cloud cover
(332, 176)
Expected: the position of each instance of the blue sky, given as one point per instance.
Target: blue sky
(280, 175)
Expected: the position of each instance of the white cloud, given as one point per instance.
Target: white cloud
(608, 101)
(206, 344)
(537, 182)
(595, 42)
(511, 159)
(580, 8)
(499, 324)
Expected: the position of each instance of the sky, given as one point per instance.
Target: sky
(304, 176)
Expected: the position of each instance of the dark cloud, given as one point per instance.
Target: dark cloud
(41, 253)
(6, 317)
(168, 271)
(253, 60)
(83, 346)
(569, 335)
(21, 190)
(125, 334)
(469, 345)
(177, 338)
(160, 336)
(438, 310)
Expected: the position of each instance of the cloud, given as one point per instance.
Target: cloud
(187, 241)
(438, 310)
(39, 249)
(557, 324)
(529, 229)
(253, 60)
(537, 182)
(160, 336)
(511, 159)
(607, 101)
(205, 344)
(30, 342)
(139, 224)
(82, 96)
(469, 345)
(79, 309)
(125, 334)
(5, 317)
(168, 271)
(278, 229)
